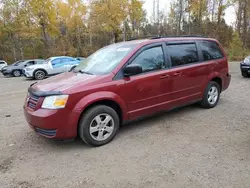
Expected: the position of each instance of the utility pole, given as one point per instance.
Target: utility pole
(158, 11)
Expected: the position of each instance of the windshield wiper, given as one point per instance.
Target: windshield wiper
(85, 72)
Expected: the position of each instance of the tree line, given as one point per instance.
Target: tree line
(44, 28)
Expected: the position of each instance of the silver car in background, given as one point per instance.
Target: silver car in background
(2, 64)
(52, 66)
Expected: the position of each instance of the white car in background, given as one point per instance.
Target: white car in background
(2, 64)
(52, 66)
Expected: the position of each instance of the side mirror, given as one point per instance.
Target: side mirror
(131, 70)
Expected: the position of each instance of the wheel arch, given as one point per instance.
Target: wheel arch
(107, 102)
(218, 80)
(216, 77)
(108, 98)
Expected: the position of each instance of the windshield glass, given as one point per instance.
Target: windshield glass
(105, 60)
(18, 62)
(47, 60)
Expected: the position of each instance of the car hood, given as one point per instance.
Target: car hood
(68, 80)
(8, 67)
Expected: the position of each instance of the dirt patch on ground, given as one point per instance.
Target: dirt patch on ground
(189, 147)
(6, 164)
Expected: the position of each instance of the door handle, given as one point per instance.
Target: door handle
(177, 74)
(164, 76)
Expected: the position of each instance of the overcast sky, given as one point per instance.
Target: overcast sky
(165, 5)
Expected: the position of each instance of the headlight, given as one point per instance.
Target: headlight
(247, 61)
(55, 102)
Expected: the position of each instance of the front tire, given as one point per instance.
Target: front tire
(245, 74)
(17, 73)
(98, 125)
(39, 75)
(211, 95)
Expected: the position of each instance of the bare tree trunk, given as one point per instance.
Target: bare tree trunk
(213, 10)
(200, 15)
(21, 52)
(79, 42)
(124, 31)
(245, 24)
(239, 17)
(180, 16)
(189, 22)
(33, 50)
(116, 35)
(220, 9)
(14, 52)
(45, 38)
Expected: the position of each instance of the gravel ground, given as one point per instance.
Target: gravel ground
(188, 147)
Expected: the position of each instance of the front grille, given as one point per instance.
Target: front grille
(46, 132)
(33, 100)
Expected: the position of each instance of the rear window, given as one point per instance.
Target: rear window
(182, 54)
(210, 50)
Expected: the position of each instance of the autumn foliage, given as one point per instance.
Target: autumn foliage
(43, 28)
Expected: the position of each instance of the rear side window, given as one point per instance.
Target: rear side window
(65, 60)
(39, 61)
(210, 50)
(182, 54)
(56, 61)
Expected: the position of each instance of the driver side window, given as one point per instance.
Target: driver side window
(150, 59)
(30, 63)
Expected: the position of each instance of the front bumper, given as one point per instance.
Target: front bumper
(58, 124)
(245, 68)
(6, 72)
(28, 74)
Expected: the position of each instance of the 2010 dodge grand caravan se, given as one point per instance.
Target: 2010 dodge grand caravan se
(125, 81)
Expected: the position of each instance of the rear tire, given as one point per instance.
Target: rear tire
(211, 95)
(17, 73)
(39, 75)
(72, 68)
(98, 125)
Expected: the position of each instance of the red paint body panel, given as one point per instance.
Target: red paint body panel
(137, 95)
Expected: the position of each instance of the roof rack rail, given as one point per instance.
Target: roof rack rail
(159, 37)
(144, 37)
(200, 36)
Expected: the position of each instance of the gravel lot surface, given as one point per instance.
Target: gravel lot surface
(188, 147)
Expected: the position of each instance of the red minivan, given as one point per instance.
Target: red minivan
(125, 81)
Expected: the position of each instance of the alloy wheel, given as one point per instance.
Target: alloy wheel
(213, 95)
(101, 127)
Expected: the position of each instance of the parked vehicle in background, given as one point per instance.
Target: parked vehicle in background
(16, 68)
(125, 81)
(80, 58)
(2, 64)
(245, 67)
(52, 66)
(16, 63)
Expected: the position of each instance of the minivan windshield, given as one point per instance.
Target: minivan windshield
(105, 60)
